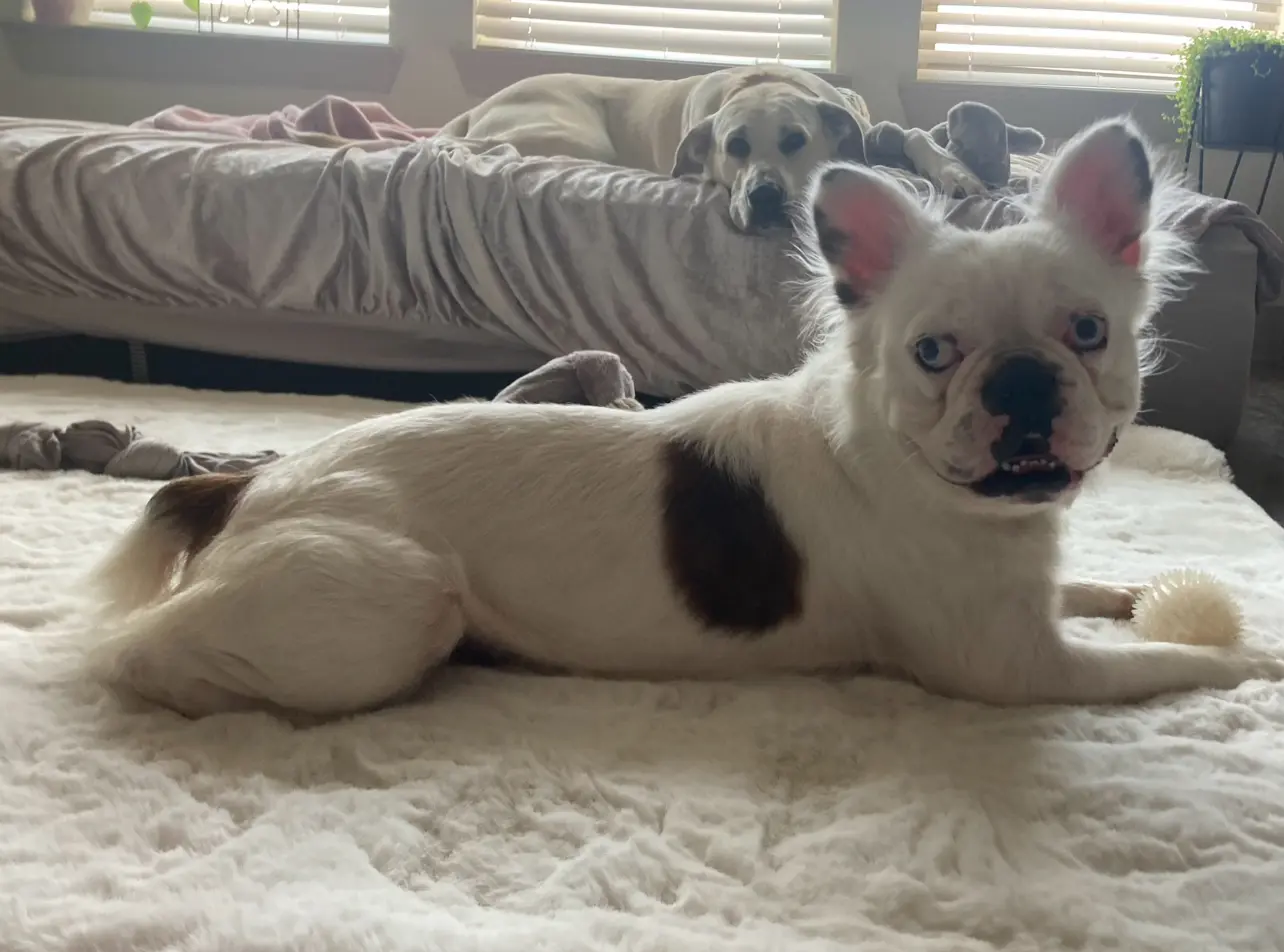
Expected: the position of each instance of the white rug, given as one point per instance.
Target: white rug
(528, 814)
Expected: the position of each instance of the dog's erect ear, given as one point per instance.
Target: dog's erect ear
(693, 150)
(1022, 140)
(1101, 185)
(843, 131)
(863, 224)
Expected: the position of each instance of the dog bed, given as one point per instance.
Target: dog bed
(523, 813)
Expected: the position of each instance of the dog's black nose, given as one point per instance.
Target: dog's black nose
(1028, 392)
(767, 202)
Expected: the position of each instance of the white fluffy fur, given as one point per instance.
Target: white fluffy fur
(349, 569)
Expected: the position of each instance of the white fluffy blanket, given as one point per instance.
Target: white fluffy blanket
(517, 813)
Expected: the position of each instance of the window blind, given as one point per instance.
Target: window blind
(356, 21)
(1113, 43)
(724, 32)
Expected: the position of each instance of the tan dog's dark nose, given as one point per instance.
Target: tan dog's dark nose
(767, 205)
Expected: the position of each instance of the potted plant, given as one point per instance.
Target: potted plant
(1230, 89)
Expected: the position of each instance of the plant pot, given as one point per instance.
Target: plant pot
(1241, 102)
(62, 12)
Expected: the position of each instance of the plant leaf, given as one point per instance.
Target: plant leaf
(193, 5)
(141, 13)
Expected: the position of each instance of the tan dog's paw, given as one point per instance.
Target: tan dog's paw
(625, 403)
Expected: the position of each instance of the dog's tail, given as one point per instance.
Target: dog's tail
(181, 519)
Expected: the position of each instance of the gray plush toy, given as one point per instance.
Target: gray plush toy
(974, 133)
(591, 377)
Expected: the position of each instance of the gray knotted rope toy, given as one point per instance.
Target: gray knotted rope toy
(588, 377)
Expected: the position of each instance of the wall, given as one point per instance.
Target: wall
(439, 76)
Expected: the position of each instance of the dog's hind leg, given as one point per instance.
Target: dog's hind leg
(320, 616)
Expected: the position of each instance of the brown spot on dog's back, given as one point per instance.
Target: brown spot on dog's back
(198, 506)
(725, 549)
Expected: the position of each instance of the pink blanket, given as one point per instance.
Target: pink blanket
(330, 121)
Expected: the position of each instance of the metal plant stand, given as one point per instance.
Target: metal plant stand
(1277, 145)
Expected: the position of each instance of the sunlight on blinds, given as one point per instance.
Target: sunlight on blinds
(725, 32)
(1110, 43)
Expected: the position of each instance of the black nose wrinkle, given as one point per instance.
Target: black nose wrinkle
(1025, 390)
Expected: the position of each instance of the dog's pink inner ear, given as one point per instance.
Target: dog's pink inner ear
(1101, 193)
(874, 227)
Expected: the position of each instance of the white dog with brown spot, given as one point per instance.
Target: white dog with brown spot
(895, 503)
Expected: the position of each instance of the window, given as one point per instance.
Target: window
(722, 32)
(353, 21)
(1111, 43)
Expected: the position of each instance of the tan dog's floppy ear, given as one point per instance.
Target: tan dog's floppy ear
(694, 149)
(842, 129)
(856, 102)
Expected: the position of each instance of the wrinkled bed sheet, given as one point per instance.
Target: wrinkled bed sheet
(554, 255)
(369, 124)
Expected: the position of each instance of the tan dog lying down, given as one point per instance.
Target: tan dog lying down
(760, 131)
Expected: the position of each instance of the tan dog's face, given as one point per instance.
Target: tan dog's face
(763, 145)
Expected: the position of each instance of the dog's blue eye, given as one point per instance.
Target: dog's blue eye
(738, 147)
(936, 354)
(1088, 332)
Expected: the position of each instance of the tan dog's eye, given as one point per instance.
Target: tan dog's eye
(738, 147)
(792, 143)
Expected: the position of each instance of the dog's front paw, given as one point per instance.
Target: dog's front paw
(1256, 664)
(958, 181)
(1232, 667)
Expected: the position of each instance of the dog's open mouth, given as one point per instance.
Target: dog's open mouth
(1034, 478)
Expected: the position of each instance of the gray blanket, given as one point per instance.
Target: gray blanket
(553, 255)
